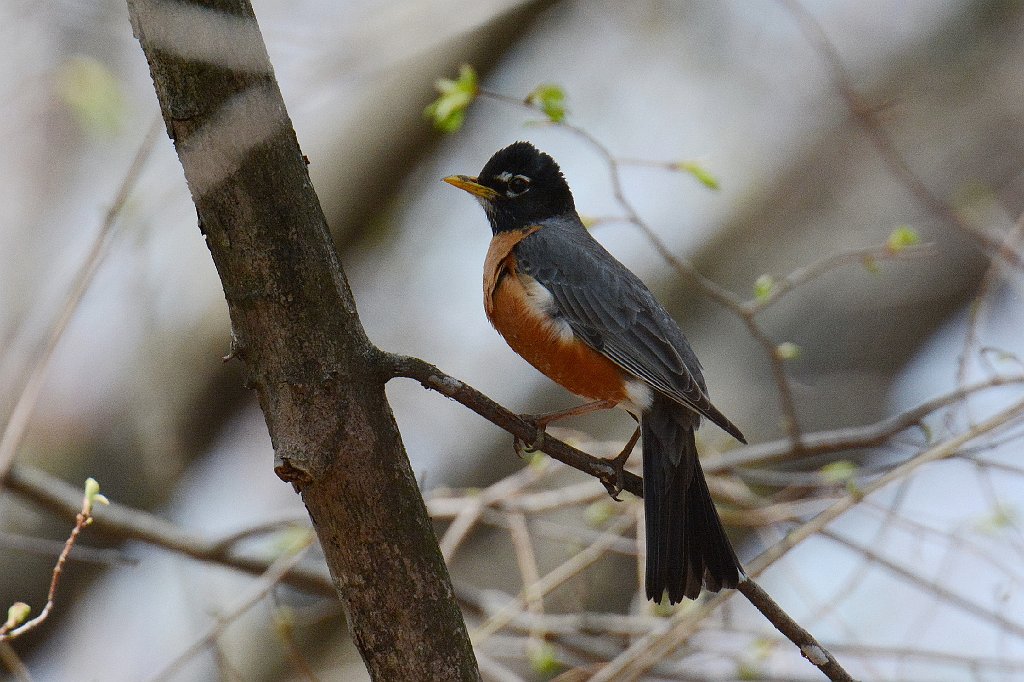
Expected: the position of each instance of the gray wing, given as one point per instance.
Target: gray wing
(613, 312)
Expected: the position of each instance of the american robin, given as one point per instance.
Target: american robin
(578, 315)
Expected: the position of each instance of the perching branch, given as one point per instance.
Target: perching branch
(433, 378)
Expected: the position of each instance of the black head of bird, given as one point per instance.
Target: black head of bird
(520, 186)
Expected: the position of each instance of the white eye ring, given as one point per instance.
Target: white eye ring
(518, 185)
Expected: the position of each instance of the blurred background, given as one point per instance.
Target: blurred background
(921, 581)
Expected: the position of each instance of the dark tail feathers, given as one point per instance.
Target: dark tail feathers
(686, 544)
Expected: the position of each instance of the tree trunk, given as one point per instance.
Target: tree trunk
(295, 327)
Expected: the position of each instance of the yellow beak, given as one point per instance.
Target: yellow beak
(472, 186)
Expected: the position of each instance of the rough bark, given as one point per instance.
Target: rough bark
(296, 329)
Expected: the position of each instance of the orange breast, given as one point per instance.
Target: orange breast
(541, 342)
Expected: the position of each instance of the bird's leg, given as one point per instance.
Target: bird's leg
(618, 463)
(541, 421)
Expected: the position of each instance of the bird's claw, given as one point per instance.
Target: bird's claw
(523, 448)
(619, 465)
(614, 489)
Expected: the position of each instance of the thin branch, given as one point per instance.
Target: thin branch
(945, 595)
(940, 451)
(126, 523)
(551, 580)
(589, 622)
(28, 394)
(866, 117)
(526, 559)
(52, 548)
(257, 591)
(805, 642)
(434, 379)
(649, 650)
(829, 264)
(470, 514)
(819, 443)
(12, 629)
(837, 440)
(977, 307)
(445, 503)
(646, 652)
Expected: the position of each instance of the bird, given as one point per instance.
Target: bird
(574, 312)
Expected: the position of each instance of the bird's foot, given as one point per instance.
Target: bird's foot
(523, 448)
(616, 486)
(618, 464)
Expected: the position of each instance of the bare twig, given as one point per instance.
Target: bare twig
(935, 453)
(127, 523)
(977, 307)
(52, 548)
(831, 263)
(526, 559)
(257, 591)
(470, 514)
(838, 440)
(550, 581)
(14, 628)
(646, 652)
(809, 647)
(866, 117)
(28, 393)
(10, 659)
(431, 377)
(946, 595)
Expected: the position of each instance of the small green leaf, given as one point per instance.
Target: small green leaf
(748, 671)
(927, 431)
(763, 648)
(840, 471)
(698, 171)
(902, 237)
(787, 351)
(92, 487)
(1001, 518)
(92, 93)
(448, 111)
(17, 614)
(92, 495)
(550, 99)
(763, 287)
(544, 660)
(292, 539)
(539, 461)
(598, 513)
(662, 609)
(284, 620)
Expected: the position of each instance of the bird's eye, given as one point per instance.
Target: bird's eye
(517, 185)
